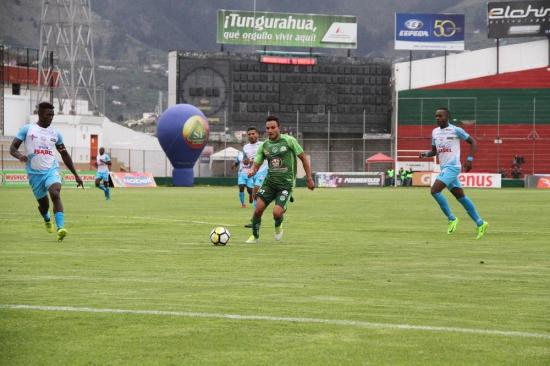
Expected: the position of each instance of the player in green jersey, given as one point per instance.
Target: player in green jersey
(280, 151)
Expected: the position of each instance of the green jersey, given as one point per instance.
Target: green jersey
(281, 157)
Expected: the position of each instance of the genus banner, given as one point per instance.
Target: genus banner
(133, 180)
(286, 29)
(351, 179)
(476, 180)
(429, 32)
(518, 19)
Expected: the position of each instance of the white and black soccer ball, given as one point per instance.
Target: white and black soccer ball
(220, 236)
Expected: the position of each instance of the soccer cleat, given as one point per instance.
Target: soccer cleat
(61, 234)
(278, 232)
(481, 229)
(252, 240)
(49, 226)
(248, 226)
(451, 226)
(243, 205)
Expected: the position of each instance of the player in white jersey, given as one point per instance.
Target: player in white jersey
(242, 163)
(446, 145)
(103, 162)
(250, 150)
(42, 166)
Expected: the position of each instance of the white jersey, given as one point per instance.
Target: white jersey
(101, 166)
(243, 168)
(447, 142)
(40, 146)
(250, 151)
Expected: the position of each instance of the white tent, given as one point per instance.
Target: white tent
(221, 162)
(229, 153)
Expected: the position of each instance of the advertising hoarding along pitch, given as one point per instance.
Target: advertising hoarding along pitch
(518, 19)
(349, 179)
(429, 32)
(286, 29)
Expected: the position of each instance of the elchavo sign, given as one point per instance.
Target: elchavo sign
(286, 29)
(518, 19)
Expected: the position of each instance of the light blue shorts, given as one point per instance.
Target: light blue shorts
(449, 176)
(259, 178)
(103, 176)
(244, 180)
(41, 182)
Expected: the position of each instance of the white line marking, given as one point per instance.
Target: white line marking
(195, 222)
(352, 323)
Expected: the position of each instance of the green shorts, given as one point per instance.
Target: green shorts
(280, 194)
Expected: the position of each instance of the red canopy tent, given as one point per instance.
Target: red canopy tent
(379, 162)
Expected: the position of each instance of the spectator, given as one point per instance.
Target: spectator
(390, 177)
(515, 172)
(409, 177)
(518, 160)
(401, 176)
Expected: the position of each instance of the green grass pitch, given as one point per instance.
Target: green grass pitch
(361, 277)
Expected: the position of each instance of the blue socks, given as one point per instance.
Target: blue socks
(471, 209)
(464, 201)
(103, 188)
(442, 201)
(241, 197)
(47, 216)
(59, 220)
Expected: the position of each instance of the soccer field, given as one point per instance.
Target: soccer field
(362, 276)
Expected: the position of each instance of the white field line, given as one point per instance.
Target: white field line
(267, 318)
(122, 217)
(195, 222)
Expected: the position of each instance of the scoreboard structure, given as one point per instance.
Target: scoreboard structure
(312, 93)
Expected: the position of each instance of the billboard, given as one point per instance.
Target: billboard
(518, 19)
(133, 180)
(349, 179)
(429, 32)
(286, 29)
(476, 180)
(538, 181)
(19, 178)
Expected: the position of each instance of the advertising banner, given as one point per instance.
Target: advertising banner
(15, 178)
(476, 180)
(422, 179)
(133, 180)
(518, 19)
(538, 181)
(286, 29)
(351, 179)
(429, 32)
(19, 178)
(87, 176)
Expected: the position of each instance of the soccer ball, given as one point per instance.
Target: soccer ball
(220, 236)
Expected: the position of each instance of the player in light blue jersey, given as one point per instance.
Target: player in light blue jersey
(103, 162)
(242, 163)
(42, 166)
(446, 145)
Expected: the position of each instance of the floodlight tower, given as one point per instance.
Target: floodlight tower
(66, 31)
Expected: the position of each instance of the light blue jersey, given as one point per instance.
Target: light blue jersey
(40, 146)
(42, 165)
(447, 142)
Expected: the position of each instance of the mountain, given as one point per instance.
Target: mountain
(135, 35)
